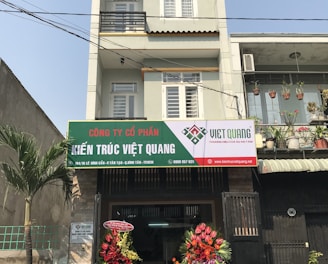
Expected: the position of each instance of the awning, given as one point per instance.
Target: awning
(292, 165)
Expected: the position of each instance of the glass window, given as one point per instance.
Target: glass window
(268, 109)
(179, 8)
(187, 8)
(123, 99)
(182, 99)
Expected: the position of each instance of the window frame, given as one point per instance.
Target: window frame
(178, 9)
(129, 95)
(182, 86)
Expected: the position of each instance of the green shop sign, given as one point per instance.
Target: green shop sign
(109, 144)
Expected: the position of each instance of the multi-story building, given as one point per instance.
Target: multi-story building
(290, 181)
(164, 61)
(154, 61)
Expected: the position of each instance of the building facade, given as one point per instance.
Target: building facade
(290, 180)
(165, 61)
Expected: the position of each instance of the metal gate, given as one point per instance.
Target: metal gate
(243, 227)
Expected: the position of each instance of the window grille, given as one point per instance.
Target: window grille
(187, 8)
(173, 106)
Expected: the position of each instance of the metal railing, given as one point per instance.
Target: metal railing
(122, 22)
(43, 237)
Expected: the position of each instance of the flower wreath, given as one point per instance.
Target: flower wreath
(117, 248)
(204, 245)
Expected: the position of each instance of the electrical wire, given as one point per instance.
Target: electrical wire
(189, 18)
(60, 26)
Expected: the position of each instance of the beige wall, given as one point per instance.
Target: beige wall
(18, 108)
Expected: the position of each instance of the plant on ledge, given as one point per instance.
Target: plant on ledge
(204, 245)
(289, 118)
(279, 133)
(304, 134)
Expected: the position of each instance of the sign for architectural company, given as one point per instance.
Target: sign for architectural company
(114, 144)
(81, 232)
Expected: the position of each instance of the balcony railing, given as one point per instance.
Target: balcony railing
(123, 22)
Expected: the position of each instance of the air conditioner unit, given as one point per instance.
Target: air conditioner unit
(248, 61)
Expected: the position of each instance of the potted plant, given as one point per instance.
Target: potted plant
(289, 118)
(321, 111)
(299, 90)
(319, 139)
(324, 94)
(305, 137)
(313, 257)
(258, 132)
(312, 108)
(285, 90)
(272, 93)
(279, 133)
(256, 89)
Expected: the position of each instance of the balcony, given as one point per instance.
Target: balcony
(114, 22)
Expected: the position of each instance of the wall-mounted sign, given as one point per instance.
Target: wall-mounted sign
(106, 144)
(81, 232)
(120, 226)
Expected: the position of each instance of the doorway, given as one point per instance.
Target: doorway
(159, 229)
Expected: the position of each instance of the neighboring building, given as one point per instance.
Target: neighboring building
(51, 216)
(172, 61)
(291, 183)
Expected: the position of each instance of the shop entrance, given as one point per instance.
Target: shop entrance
(159, 229)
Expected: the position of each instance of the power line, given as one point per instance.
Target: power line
(195, 18)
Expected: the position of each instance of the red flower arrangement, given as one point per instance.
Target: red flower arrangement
(204, 245)
(116, 248)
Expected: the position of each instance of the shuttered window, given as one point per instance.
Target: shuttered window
(173, 104)
(187, 8)
(181, 98)
(179, 8)
(123, 99)
(191, 102)
(169, 8)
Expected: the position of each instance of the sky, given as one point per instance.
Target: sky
(52, 64)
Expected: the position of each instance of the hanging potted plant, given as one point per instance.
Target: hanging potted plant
(272, 93)
(256, 89)
(299, 90)
(312, 108)
(285, 90)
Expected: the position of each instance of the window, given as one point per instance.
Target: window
(268, 109)
(179, 8)
(123, 19)
(123, 99)
(182, 99)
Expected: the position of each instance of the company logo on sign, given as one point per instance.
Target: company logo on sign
(194, 133)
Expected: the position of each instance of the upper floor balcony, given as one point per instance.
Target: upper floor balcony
(112, 22)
